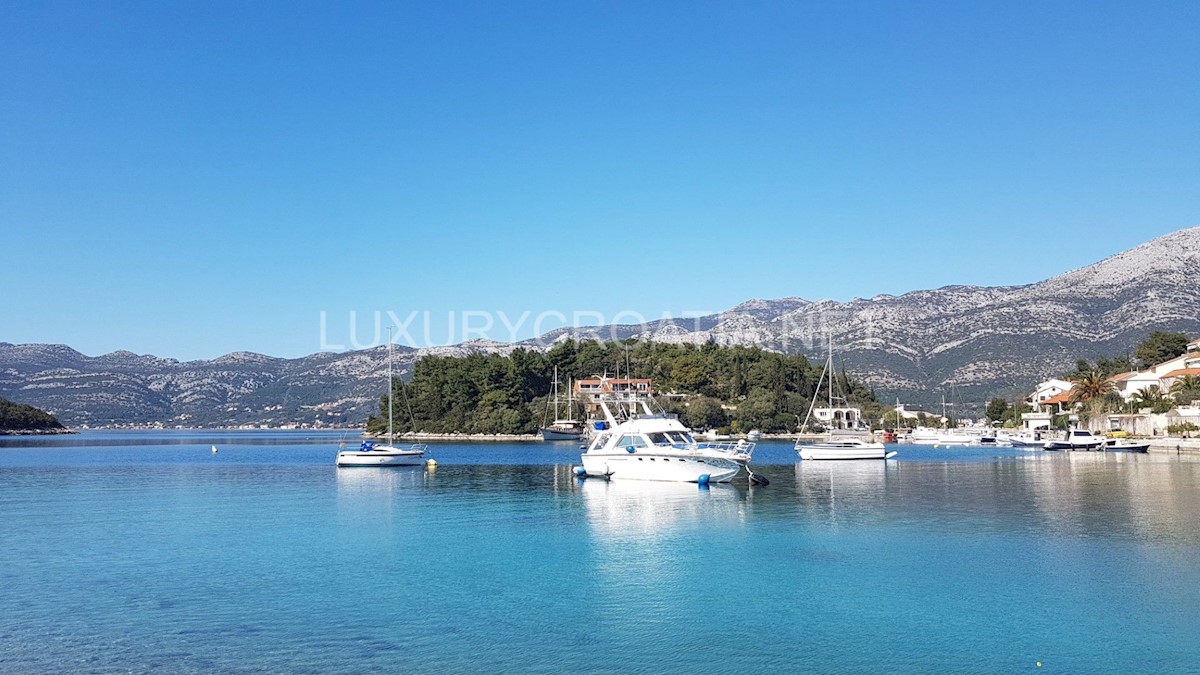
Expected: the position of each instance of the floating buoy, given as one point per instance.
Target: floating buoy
(703, 480)
(214, 449)
(581, 472)
(431, 463)
(935, 447)
(1039, 664)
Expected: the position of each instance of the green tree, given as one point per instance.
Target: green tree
(997, 409)
(1161, 346)
(22, 417)
(705, 413)
(1090, 391)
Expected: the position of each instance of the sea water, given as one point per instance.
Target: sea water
(140, 552)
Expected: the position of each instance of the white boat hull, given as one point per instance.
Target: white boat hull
(869, 451)
(648, 465)
(383, 456)
(1067, 445)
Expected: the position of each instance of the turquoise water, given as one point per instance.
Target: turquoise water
(141, 552)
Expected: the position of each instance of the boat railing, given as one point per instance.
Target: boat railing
(735, 449)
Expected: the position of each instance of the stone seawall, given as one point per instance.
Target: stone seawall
(1182, 446)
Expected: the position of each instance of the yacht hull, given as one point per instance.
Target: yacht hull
(869, 451)
(660, 467)
(380, 458)
(1065, 445)
(559, 435)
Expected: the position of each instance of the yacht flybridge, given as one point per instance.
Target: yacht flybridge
(635, 442)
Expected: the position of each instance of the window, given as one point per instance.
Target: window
(635, 441)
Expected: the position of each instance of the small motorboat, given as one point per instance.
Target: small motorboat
(1124, 445)
(1078, 439)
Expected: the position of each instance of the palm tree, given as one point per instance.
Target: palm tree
(1090, 387)
(1147, 397)
(1090, 390)
(1186, 388)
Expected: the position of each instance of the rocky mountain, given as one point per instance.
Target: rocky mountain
(968, 343)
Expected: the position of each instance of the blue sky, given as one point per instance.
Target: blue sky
(189, 179)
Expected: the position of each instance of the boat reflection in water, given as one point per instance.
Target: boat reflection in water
(363, 491)
(643, 511)
(844, 488)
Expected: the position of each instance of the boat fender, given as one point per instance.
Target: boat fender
(581, 472)
(630, 449)
(703, 480)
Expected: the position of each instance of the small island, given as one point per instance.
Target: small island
(19, 418)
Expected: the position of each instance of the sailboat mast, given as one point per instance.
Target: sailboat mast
(389, 385)
(556, 393)
(830, 376)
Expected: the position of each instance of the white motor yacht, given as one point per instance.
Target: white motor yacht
(639, 443)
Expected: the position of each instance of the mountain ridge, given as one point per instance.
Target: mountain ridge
(967, 342)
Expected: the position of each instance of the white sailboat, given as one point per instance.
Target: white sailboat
(568, 429)
(838, 447)
(369, 454)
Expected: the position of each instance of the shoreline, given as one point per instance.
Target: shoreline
(1179, 446)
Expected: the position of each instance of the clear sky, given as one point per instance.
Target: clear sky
(193, 178)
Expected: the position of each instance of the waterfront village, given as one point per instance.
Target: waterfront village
(1134, 403)
(1137, 402)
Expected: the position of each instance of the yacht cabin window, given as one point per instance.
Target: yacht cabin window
(635, 441)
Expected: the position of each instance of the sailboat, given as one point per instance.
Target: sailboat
(838, 447)
(568, 429)
(369, 454)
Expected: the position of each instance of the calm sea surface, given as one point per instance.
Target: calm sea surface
(139, 552)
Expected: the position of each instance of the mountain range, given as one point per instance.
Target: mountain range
(966, 343)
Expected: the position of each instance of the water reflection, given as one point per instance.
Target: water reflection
(1105, 494)
(373, 490)
(844, 491)
(644, 510)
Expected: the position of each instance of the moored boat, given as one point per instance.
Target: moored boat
(843, 448)
(1078, 439)
(842, 443)
(1123, 445)
(639, 443)
(369, 454)
(562, 429)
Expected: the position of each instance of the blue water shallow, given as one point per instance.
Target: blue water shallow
(139, 552)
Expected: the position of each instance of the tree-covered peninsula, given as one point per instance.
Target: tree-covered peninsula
(738, 388)
(21, 418)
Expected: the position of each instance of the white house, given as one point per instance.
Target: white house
(1162, 375)
(839, 418)
(1045, 391)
